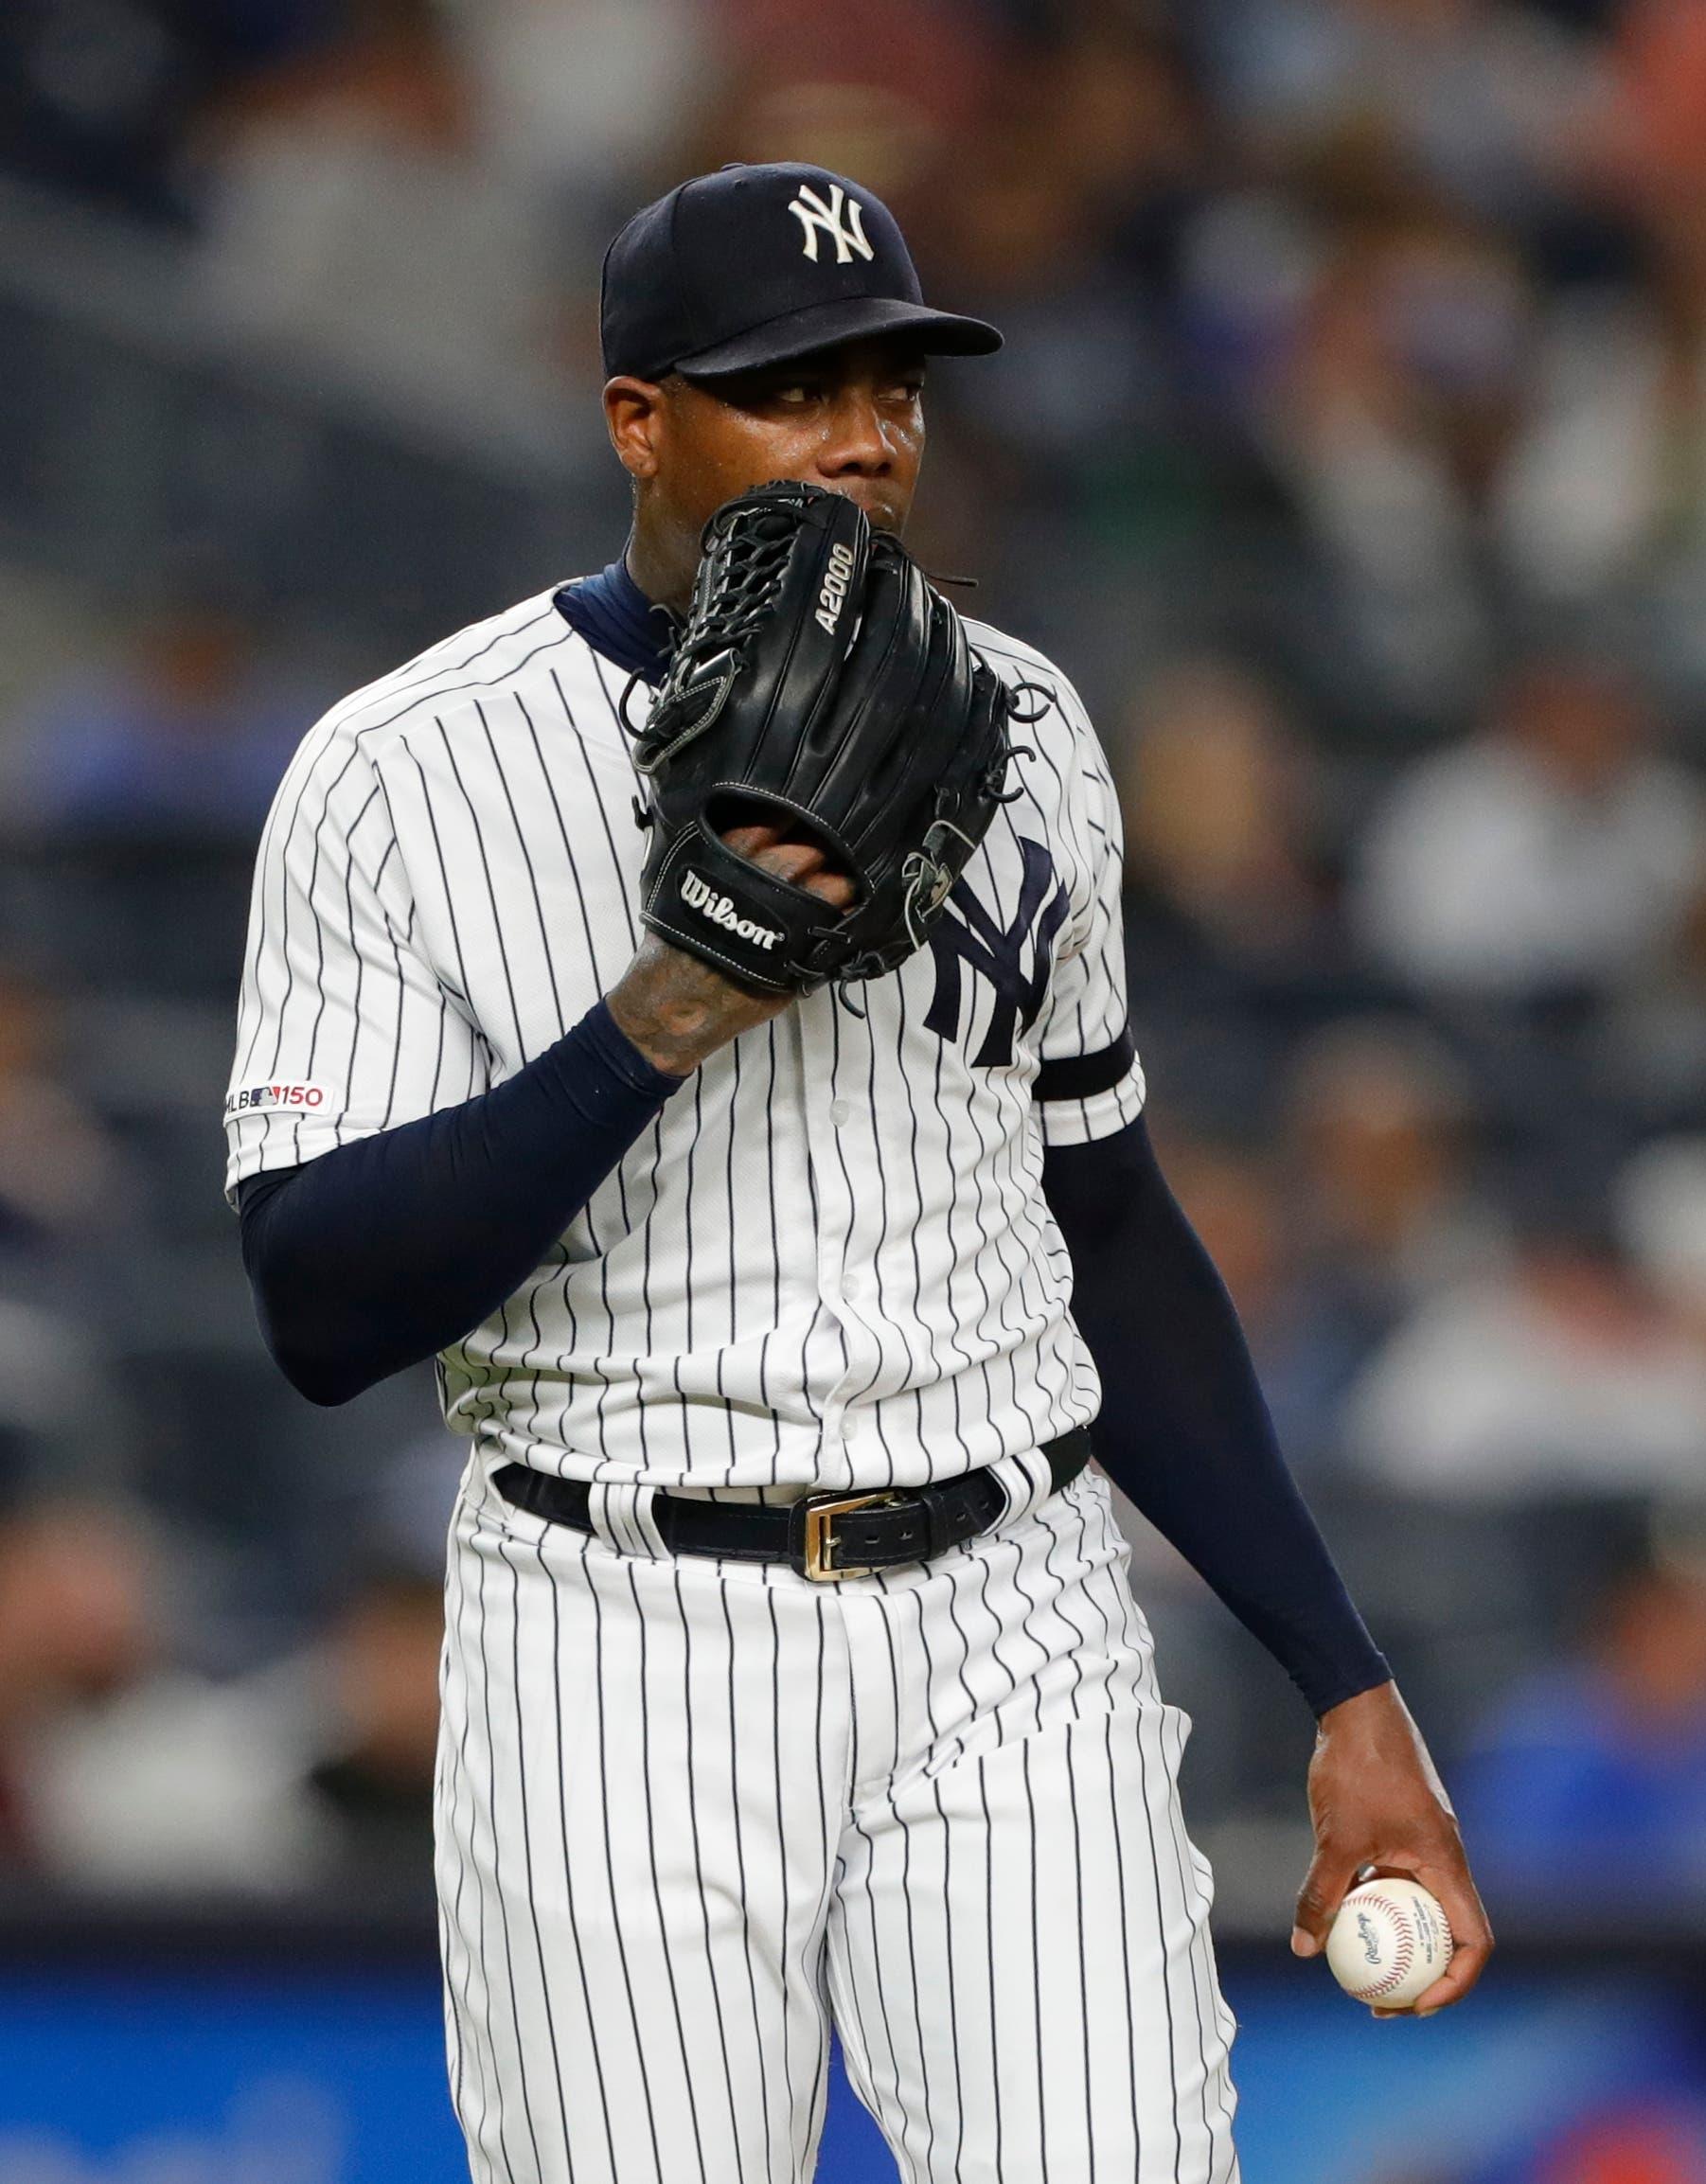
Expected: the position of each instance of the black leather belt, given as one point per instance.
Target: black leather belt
(824, 1536)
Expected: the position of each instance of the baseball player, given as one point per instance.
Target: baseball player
(791, 1673)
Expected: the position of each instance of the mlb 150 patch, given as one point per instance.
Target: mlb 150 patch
(260, 1098)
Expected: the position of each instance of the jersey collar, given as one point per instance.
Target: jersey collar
(617, 618)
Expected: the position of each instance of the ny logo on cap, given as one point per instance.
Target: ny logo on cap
(813, 214)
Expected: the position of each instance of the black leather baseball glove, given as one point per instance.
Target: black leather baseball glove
(820, 683)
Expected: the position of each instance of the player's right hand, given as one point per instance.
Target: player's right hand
(677, 1010)
(1377, 1806)
(791, 854)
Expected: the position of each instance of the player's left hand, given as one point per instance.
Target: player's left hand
(1377, 1802)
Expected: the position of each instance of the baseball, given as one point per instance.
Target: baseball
(1389, 1942)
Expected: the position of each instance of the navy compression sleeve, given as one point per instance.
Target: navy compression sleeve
(380, 1252)
(1184, 1430)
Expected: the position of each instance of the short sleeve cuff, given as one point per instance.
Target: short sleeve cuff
(280, 1126)
(1084, 1097)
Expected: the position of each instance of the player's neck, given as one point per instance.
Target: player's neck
(657, 567)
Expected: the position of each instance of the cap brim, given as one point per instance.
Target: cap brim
(825, 326)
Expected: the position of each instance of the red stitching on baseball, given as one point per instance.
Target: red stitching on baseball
(1406, 1951)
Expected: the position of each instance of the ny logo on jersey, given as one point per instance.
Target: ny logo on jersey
(813, 214)
(973, 938)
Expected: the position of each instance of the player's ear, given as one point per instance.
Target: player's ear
(634, 416)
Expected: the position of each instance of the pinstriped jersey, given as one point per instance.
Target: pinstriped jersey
(828, 1262)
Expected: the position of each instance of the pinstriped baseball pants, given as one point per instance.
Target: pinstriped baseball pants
(689, 1811)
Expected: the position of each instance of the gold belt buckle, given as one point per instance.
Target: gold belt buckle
(816, 1559)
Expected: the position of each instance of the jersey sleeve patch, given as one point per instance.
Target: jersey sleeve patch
(302, 1097)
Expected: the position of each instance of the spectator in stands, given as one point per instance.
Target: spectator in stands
(1215, 790)
(583, 101)
(1592, 503)
(882, 89)
(187, 735)
(1380, 1127)
(359, 221)
(1306, 1345)
(96, 100)
(1051, 201)
(70, 1624)
(1606, 491)
(1659, 1204)
(123, 1770)
(370, 1791)
(1653, 139)
(1231, 928)
(1389, 419)
(62, 1182)
(1566, 1376)
(1590, 1777)
(1646, 1049)
(1553, 852)
(1475, 97)
(62, 1419)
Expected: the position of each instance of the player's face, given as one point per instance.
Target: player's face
(851, 419)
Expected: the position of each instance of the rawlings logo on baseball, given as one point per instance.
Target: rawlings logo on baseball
(698, 894)
(833, 597)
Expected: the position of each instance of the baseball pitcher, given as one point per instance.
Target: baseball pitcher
(690, 1006)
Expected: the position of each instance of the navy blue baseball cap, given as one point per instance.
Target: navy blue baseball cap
(755, 265)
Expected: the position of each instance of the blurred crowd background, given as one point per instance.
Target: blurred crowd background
(1349, 450)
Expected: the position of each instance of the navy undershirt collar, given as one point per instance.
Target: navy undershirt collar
(617, 619)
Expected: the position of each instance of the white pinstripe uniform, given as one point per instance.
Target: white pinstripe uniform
(687, 1808)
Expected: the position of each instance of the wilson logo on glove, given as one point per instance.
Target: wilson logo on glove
(833, 597)
(698, 894)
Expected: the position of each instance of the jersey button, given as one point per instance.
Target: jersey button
(840, 1113)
